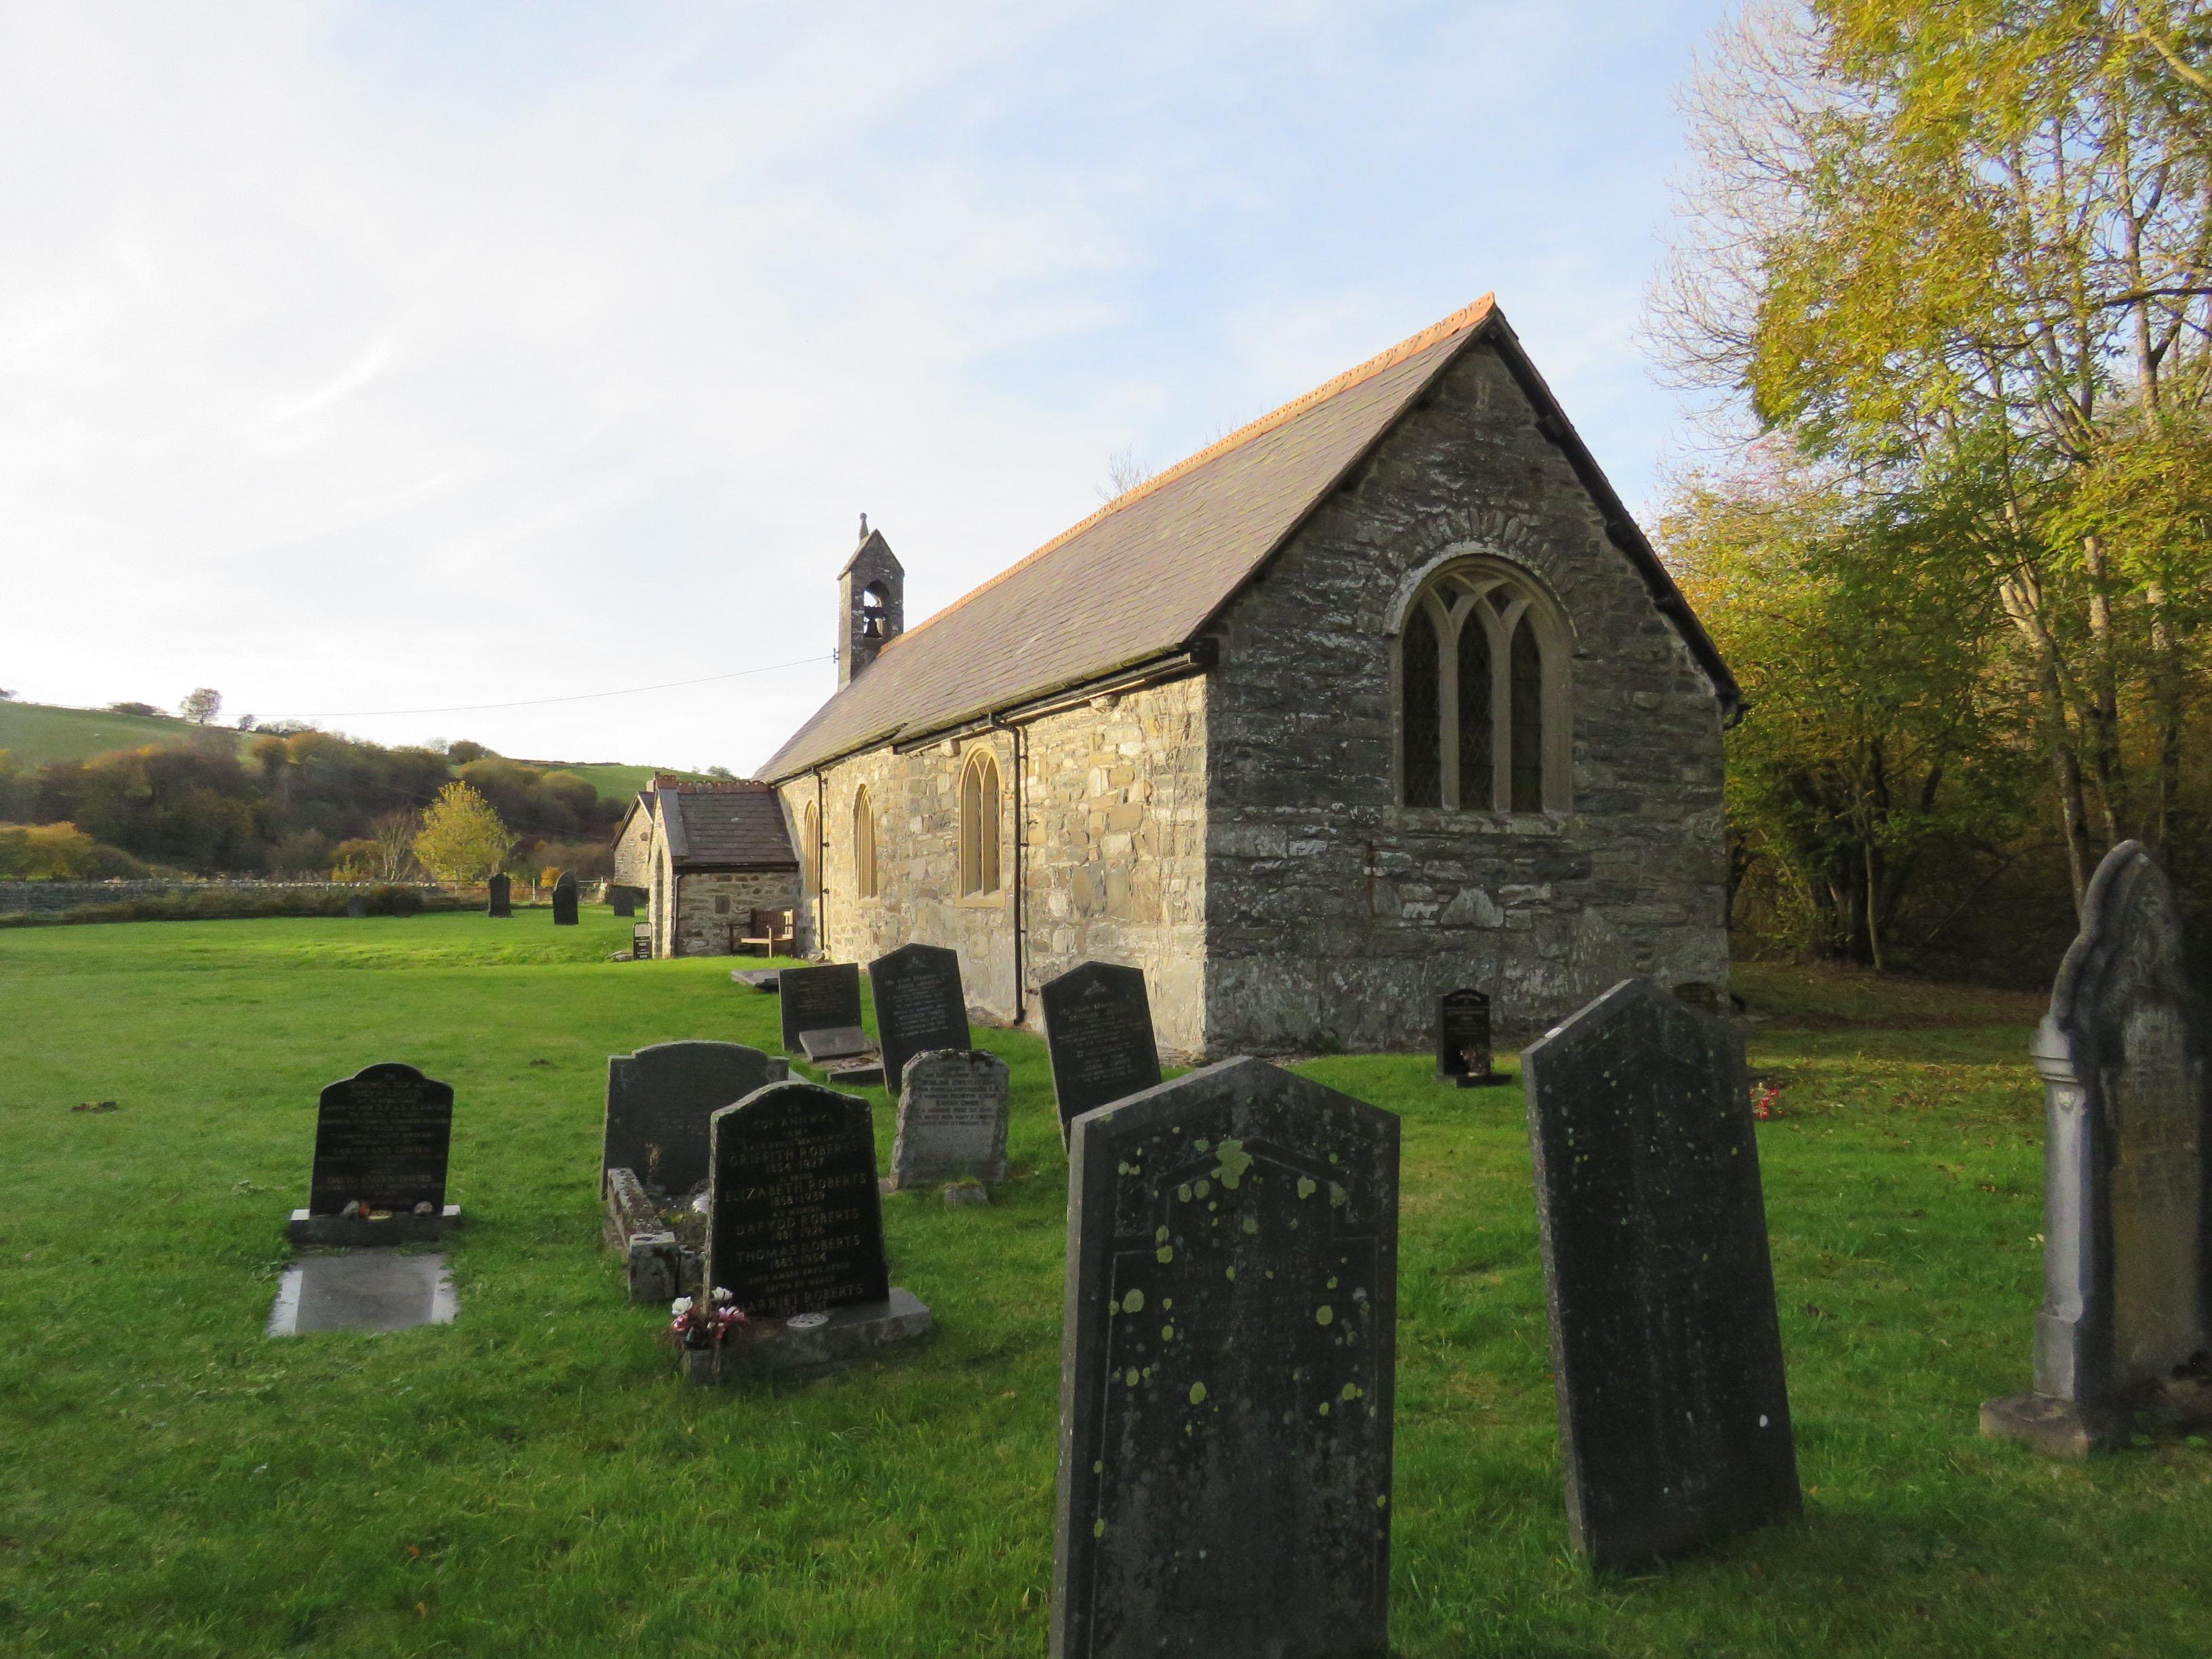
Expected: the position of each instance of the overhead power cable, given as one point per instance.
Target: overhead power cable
(580, 696)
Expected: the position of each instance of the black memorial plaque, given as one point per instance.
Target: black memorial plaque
(1666, 1352)
(794, 1218)
(819, 1000)
(1464, 1039)
(497, 901)
(382, 1138)
(920, 1004)
(658, 1101)
(1227, 1367)
(1098, 1028)
(564, 901)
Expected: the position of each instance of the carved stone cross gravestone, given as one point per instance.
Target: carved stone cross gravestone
(498, 901)
(818, 999)
(1227, 1369)
(2127, 1255)
(919, 1005)
(1665, 1350)
(383, 1137)
(951, 1120)
(564, 901)
(1099, 1031)
(1463, 1040)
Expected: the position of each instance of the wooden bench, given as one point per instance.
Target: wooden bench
(772, 931)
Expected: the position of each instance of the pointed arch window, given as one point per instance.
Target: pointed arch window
(809, 847)
(979, 824)
(1483, 693)
(864, 844)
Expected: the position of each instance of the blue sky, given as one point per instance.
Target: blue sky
(368, 357)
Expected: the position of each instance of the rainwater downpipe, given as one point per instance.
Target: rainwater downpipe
(1021, 839)
(821, 869)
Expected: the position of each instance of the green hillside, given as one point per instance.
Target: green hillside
(34, 733)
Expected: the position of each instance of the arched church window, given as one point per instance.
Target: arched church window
(979, 824)
(864, 844)
(1483, 693)
(809, 847)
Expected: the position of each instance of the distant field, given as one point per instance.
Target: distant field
(36, 733)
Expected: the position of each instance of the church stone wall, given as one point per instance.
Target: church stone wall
(1112, 858)
(1336, 916)
(633, 855)
(709, 903)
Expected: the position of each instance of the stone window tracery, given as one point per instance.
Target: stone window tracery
(864, 844)
(1483, 693)
(979, 824)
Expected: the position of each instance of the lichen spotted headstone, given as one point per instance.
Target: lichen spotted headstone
(2122, 1054)
(564, 901)
(1227, 1369)
(1666, 1352)
(920, 1005)
(1098, 1032)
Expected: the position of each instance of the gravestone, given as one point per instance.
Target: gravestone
(1098, 1028)
(794, 1222)
(382, 1139)
(624, 900)
(640, 941)
(2126, 1280)
(818, 999)
(764, 979)
(1463, 1040)
(951, 1120)
(1227, 1367)
(1666, 1352)
(499, 904)
(919, 1005)
(659, 1100)
(363, 1290)
(356, 907)
(564, 901)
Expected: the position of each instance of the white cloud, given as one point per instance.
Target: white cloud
(376, 357)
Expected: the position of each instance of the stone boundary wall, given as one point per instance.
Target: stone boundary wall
(21, 897)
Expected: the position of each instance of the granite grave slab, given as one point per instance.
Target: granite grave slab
(2127, 1307)
(1227, 1373)
(363, 1290)
(951, 1120)
(1665, 1350)
(382, 1141)
(1099, 1031)
(768, 980)
(818, 999)
(919, 1005)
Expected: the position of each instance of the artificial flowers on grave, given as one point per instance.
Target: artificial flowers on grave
(720, 1321)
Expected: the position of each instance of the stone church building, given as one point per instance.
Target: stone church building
(707, 855)
(1381, 694)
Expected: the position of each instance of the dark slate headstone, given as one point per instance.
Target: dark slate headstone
(382, 1138)
(1464, 1039)
(1227, 1369)
(2127, 1258)
(794, 1218)
(624, 899)
(499, 904)
(356, 907)
(835, 1042)
(919, 1005)
(1098, 1028)
(659, 1098)
(818, 999)
(564, 901)
(951, 1119)
(1666, 1352)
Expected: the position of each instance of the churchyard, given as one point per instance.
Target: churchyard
(537, 1477)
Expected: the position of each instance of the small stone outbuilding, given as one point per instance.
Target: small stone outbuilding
(707, 856)
(1383, 695)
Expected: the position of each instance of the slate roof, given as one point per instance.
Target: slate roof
(725, 829)
(1142, 577)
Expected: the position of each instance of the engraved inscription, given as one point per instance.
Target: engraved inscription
(381, 1139)
(2157, 1185)
(952, 1119)
(794, 1222)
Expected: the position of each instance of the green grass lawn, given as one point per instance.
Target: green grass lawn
(35, 733)
(533, 1480)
